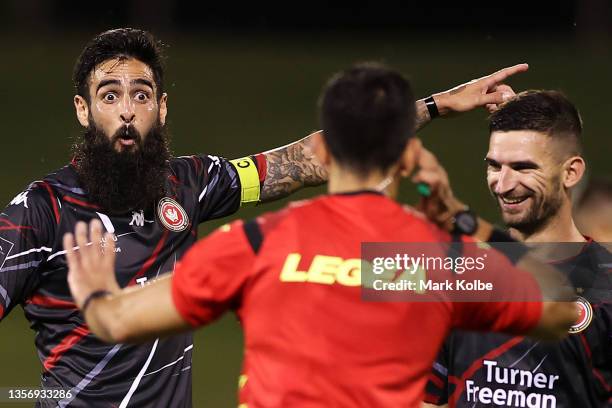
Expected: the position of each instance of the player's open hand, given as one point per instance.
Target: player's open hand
(488, 91)
(91, 261)
(441, 205)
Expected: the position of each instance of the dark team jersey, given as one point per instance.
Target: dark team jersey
(494, 370)
(294, 280)
(33, 274)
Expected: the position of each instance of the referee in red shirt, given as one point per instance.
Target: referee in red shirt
(293, 277)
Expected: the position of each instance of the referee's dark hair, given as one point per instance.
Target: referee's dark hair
(367, 114)
(121, 43)
(544, 111)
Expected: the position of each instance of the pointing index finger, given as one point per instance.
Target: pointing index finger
(504, 73)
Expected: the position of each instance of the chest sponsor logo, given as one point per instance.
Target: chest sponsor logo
(21, 198)
(585, 318)
(172, 215)
(512, 387)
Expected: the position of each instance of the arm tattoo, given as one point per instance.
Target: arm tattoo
(290, 168)
(422, 115)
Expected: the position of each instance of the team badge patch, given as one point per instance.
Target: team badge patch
(586, 315)
(172, 215)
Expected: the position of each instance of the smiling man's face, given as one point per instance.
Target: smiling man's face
(524, 177)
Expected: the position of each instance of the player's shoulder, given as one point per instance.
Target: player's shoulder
(600, 251)
(37, 194)
(595, 257)
(196, 162)
(45, 194)
(64, 180)
(187, 170)
(35, 206)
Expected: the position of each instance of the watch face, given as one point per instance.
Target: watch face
(465, 222)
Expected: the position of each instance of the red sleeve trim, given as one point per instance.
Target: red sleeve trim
(262, 166)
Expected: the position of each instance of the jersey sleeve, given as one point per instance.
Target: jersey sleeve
(223, 186)
(27, 232)
(515, 304)
(436, 390)
(211, 276)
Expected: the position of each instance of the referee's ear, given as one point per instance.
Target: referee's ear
(410, 156)
(82, 110)
(320, 150)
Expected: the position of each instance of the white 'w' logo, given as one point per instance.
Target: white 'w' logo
(21, 198)
(137, 218)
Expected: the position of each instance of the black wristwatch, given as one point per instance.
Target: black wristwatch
(465, 222)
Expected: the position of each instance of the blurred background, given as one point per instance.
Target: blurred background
(245, 78)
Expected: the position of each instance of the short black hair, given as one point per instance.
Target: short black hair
(121, 43)
(545, 111)
(367, 114)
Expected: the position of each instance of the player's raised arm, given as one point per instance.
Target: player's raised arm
(294, 166)
(488, 91)
(290, 168)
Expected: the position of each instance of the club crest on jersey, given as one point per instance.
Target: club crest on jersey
(172, 215)
(586, 315)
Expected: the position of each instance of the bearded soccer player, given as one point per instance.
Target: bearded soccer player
(293, 277)
(534, 161)
(123, 175)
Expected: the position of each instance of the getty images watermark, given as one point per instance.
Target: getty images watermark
(455, 272)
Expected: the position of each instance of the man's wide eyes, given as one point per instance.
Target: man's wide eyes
(142, 96)
(110, 97)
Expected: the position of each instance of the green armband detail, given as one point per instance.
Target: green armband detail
(249, 180)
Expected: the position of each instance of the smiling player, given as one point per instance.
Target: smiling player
(534, 161)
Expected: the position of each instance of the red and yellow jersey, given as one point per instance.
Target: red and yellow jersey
(293, 278)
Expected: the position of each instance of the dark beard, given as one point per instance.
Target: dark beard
(540, 215)
(131, 179)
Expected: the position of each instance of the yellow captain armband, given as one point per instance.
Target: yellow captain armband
(249, 180)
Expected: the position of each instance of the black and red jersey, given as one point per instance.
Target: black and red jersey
(294, 280)
(495, 370)
(148, 243)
